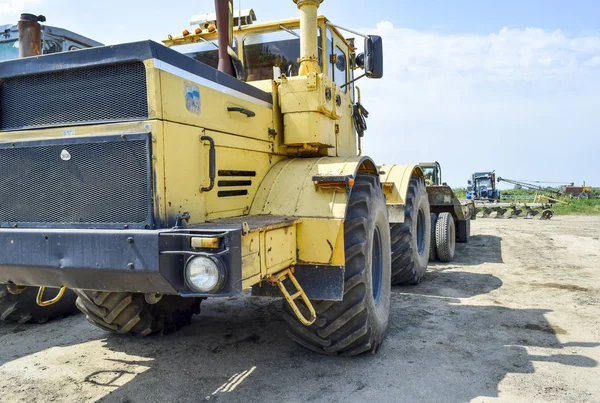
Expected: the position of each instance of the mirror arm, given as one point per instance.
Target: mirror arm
(351, 81)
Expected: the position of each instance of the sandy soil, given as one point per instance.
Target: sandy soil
(515, 318)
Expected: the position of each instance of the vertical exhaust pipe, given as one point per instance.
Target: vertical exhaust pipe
(30, 35)
(309, 62)
(224, 11)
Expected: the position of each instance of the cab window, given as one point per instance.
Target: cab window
(205, 52)
(329, 49)
(9, 50)
(340, 63)
(264, 51)
(281, 49)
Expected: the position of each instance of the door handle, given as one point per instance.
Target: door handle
(212, 167)
(245, 111)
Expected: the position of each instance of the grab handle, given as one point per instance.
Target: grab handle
(212, 168)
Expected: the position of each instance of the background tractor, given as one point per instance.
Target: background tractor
(19, 304)
(482, 186)
(165, 181)
(450, 216)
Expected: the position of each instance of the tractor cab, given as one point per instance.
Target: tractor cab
(269, 50)
(432, 172)
(263, 53)
(54, 40)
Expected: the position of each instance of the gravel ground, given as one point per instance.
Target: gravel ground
(515, 318)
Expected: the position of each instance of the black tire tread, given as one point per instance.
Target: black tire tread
(23, 308)
(129, 313)
(342, 327)
(443, 235)
(405, 270)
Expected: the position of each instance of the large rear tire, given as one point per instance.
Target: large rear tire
(445, 237)
(356, 324)
(411, 240)
(23, 308)
(130, 313)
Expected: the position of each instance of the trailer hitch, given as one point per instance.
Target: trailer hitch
(40, 297)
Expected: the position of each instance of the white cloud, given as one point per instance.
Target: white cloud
(12, 8)
(521, 101)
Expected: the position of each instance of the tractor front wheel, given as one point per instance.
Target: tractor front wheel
(130, 313)
(356, 324)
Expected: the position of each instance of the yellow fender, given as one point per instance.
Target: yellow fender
(395, 180)
(290, 189)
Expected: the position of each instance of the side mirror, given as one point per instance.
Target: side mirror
(373, 57)
(469, 182)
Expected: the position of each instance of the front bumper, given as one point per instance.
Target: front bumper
(147, 261)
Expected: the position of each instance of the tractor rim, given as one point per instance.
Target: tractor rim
(420, 232)
(377, 265)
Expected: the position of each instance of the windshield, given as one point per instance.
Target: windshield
(205, 52)
(487, 182)
(9, 50)
(266, 51)
(269, 52)
(428, 172)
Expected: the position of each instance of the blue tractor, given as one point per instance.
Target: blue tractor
(482, 186)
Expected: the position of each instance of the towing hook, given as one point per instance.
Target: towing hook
(181, 218)
(40, 297)
(15, 289)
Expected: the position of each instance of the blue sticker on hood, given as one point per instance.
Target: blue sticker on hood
(192, 98)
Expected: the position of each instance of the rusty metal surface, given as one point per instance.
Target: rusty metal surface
(30, 35)
(224, 24)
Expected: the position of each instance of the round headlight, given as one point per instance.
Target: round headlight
(204, 274)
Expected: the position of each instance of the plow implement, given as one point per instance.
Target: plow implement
(514, 210)
(529, 207)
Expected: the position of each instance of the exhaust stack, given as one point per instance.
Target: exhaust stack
(30, 35)
(308, 36)
(224, 11)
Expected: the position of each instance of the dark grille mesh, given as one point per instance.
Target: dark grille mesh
(103, 182)
(97, 94)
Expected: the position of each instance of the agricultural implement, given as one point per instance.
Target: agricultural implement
(450, 217)
(498, 205)
(29, 38)
(165, 181)
(515, 209)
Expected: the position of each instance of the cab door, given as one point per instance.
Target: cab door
(339, 70)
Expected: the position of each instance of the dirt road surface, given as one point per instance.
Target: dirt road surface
(515, 318)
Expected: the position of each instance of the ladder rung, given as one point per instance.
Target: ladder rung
(296, 295)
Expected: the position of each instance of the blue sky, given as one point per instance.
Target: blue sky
(477, 85)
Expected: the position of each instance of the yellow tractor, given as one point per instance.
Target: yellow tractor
(148, 181)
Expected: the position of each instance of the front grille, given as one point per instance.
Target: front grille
(89, 182)
(97, 94)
